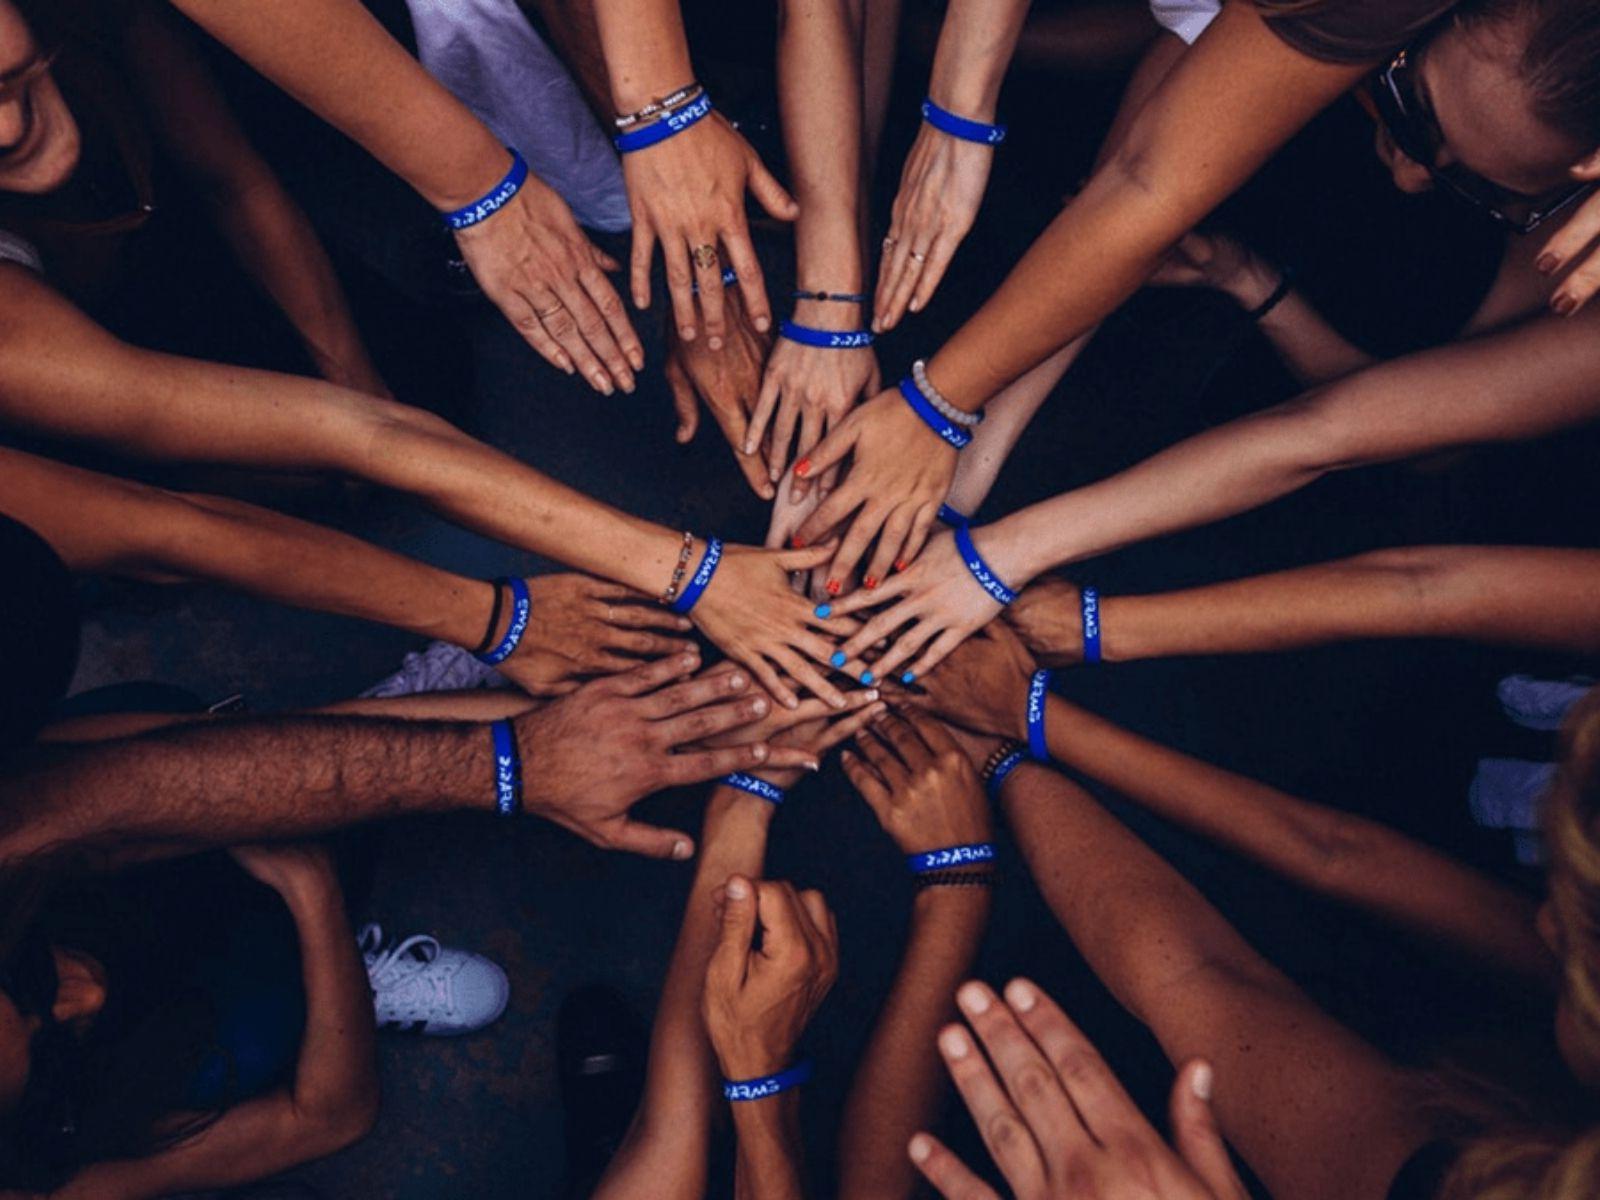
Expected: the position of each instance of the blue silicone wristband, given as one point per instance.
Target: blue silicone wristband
(825, 339)
(690, 596)
(950, 856)
(1038, 693)
(931, 416)
(964, 128)
(953, 518)
(986, 579)
(1091, 625)
(756, 787)
(670, 124)
(521, 610)
(1002, 769)
(507, 769)
(498, 198)
(767, 1085)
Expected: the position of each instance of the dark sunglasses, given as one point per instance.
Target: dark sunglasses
(1410, 123)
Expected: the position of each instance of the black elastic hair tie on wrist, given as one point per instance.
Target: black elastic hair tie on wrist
(1285, 286)
(494, 619)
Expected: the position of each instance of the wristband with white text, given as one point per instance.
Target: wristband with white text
(767, 1085)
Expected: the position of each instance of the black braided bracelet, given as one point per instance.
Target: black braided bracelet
(494, 620)
(837, 297)
(956, 879)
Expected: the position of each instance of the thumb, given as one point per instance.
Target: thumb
(651, 841)
(810, 557)
(766, 189)
(1194, 1131)
(603, 260)
(739, 913)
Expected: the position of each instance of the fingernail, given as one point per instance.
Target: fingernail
(715, 343)
(919, 1149)
(636, 357)
(954, 1043)
(686, 332)
(872, 695)
(759, 752)
(759, 707)
(870, 582)
(797, 542)
(833, 587)
(867, 677)
(1202, 1081)
(916, 306)
(763, 323)
(1021, 996)
(685, 623)
(736, 682)
(877, 325)
(909, 677)
(737, 889)
(688, 659)
(802, 468)
(974, 998)
(824, 611)
(1547, 263)
(1565, 305)
(604, 384)
(901, 565)
(772, 473)
(680, 849)
(838, 658)
(749, 447)
(813, 765)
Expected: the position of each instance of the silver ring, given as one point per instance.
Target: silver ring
(546, 315)
(889, 242)
(921, 258)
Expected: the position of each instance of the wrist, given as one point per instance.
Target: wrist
(832, 315)
(731, 806)
(1004, 547)
(966, 92)
(1252, 283)
(473, 178)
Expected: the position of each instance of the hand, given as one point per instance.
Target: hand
(790, 511)
(1564, 252)
(941, 187)
(800, 726)
(937, 602)
(688, 192)
(285, 867)
(751, 612)
(900, 472)
(919, 783)
(589, 757)
(1059, 1125)
(539, 268)
(1048, 617)
(983, 684)
(728, 380)
(1213, 261)
(757, 1003)
(585, 626)
(808, 390)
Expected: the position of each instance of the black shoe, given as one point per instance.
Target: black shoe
(601, 1050)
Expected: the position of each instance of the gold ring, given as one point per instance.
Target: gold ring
(545, 316)
(889, 241)
(704, 257)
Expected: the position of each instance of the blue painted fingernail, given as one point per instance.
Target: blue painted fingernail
(824, 611)
(867, 677)
(908, 677)
(838, 658)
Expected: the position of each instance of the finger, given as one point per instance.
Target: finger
(696, 693)
(593, 326)
(1195, 1135)
(766, 403)
(1026, 1073)
(754, 471)
(911, 639)
(811, 430)
(847, 727)
(810, 678)
(932, 274)
(639, 257)
(1011, 1143)
(894, 281)
(914, 252)
(871, 745)
(815, 909)
(516, 306)
(782, 434)
(645, 645)
(892, 588)
(650, 841)
(652, 675)
(890, 540)
(680, 281)
(645, 616)
(708, 722)
(1578, 287)
(606, 301)
(698, 766)
(772, 681)
(806, 559)
(684, 401)
(1582, 228)
(782, 930)
(835, 510)
(1103, 1107)
(947, 1174)
(604, 261)
(752, 283)
(866, 780)
(931, 657)
(905, 739)
(830, 451)
(708, 275)
(921, 524)
(739, 916)
(561, 324)
(770, 194)
(932, 732)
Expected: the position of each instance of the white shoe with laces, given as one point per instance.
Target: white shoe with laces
(419, 986)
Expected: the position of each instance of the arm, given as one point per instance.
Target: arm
(259, 220)
(530, 257)
(333, 1101)
(1314, 1110)
(61, 374)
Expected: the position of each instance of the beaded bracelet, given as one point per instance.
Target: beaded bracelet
(521, 610)
(1091, 624)
(756, 787)
(497, 198)
(964, 128)
(825, 339)
(979, 570)
(919, 375)
(671, 124)
(507, 769)
(678, 572)
(767, 1085)
(701, 579)
(947, 429)
(687, 92)
(1038, 695)
(838, 297)
(950, 856)
(1001, 753)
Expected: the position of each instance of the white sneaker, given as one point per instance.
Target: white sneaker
(419, 986)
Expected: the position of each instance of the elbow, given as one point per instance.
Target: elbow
(387, 432)
(337, 1121)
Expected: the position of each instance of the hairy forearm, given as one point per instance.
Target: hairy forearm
(335, 58)
(768, 1163)
(1348, 858)
(900, 1079)
(233, 781)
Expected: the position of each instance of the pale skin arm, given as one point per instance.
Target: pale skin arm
(262, 224)
(1316, 1112)
(332, 1102)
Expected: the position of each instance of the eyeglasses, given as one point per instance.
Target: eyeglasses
(1415, 131)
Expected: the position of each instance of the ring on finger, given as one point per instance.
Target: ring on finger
(890, 241)
(705, 256)
(919, 256)
(549, 312)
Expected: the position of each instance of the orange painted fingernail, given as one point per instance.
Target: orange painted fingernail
(869, 582)
(901, 565)
(833, 587)
(802, 468)
(797, 542)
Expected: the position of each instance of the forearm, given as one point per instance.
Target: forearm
(1347, 858)
(900, 1079)
(646, 50)
(335, 58)
(768, 1161)
(1313, 350)
(976, 42)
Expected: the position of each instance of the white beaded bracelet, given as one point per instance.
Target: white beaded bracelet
(919, 376)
